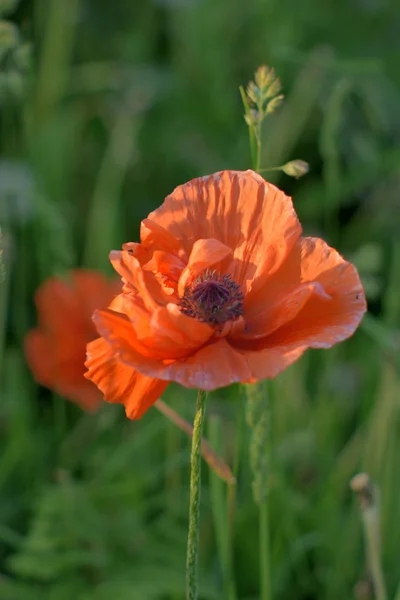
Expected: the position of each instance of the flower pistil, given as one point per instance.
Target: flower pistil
(212, 298)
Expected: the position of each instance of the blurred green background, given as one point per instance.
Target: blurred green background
(111, 107)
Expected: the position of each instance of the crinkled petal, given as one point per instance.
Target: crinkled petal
(177, 333)
(167, 334)
(120, 383)
(241, 210)
(321, 323)
(122, 323)
(205, 255)
(139, 251)
(136, 280)
(153, 236)
(324, 319)
(269, 362)
(167, 264)
(167, 269)
(278, 311)
(212, 366)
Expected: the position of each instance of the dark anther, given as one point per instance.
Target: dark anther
(212, 298)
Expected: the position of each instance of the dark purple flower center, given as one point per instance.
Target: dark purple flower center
(212, 298)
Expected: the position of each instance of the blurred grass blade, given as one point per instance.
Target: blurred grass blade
(383, 336)
(103, 228)
(329, 148)
(258, 419)
(5, 267)
(221, 498)
(58, 36)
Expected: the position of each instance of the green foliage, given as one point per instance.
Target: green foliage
(15, 57)
(258, 419)
(116, 109)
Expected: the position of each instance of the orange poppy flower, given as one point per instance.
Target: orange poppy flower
(221, 289)
(55, 350)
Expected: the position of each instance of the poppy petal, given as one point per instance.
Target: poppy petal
(277, 311)
(326, 319)
(167, 334)
(212, 366)
(139, 251)
(56, 297)
(240, 209)
(155, 237)
(167, 269)
(65, 378)
(320, 324)
(176, 332)
(93, 289)
(138, 281)
(118, 326)
(120, 383)
(204, 255)
(267, 363)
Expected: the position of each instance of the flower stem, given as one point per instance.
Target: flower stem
(265, 578)
(257, 162)
(195, 488)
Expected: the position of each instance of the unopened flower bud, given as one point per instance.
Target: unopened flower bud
(362, 486)
(296, 168)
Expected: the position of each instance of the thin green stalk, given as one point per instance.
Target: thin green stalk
(270, 169)
(265, 576)
(329, 148)
(232, 497)
(222, 504)
(231, 510)
(57, 34)
(257, 164)
(258, 418)
(252, 135)
(102, 228)
(195, 488)
(217, 494)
